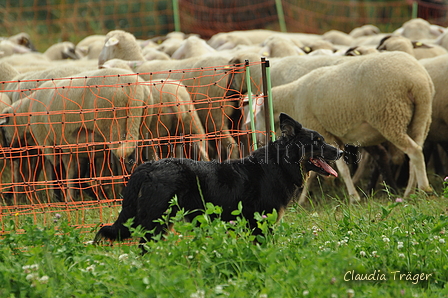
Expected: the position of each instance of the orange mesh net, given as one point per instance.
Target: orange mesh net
(69, 145)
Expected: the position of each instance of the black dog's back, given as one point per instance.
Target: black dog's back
(263, 181)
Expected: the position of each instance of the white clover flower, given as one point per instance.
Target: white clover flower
(90, 268)
(349, 233)
(26, 268)
(374, 253)
(386, 240)
(362, 253)
(436, 237)
(123, 257)
(306, 293)
(44, 279)
(32, 276)
(401, 255)
(350, 293)
(263, 296)
(400, 245)
(441, 240)
(218, 289)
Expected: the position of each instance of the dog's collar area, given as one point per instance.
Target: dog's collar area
(323, 166)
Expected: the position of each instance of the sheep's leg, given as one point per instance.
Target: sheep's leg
(306, 187)
(344, 171)
(363, 163)
(417, 167)
(71, 168)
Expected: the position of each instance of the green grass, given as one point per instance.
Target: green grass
(312, 252)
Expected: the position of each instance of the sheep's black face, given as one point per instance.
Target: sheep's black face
(308, 147)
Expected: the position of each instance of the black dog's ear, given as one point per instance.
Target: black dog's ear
(289, 126)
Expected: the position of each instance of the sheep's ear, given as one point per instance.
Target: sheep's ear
(382, 41)
(111, 42)
(289, 126)
(419, 44)
(4, 120)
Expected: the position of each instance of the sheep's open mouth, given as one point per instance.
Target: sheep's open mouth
(323, 166)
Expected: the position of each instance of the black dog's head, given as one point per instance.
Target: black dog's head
(307, 147)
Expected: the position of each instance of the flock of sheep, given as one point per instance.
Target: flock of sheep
(67, 112)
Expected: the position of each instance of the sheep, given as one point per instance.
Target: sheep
(7, 72)
(8, 48)
(171, 43)
(193, 46)
(314, 45)
(105, 107)
(24, 84)
(365, 101)
(17, 134)
(337, 37)
(176, 116)
(360, 50)
(437, 69)
(61, 50)
(90, 46)
(121, 45)
(23, 39)
(365, 30)
(280, 46)
(243, 37)
(205, 82)
(283, 70)
(418, 49)
(416, 29)
(154, 54)
(442, 40)
(171, 95)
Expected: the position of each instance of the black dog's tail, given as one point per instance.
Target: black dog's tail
(131, 192)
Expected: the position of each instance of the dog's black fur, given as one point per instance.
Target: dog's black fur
(263, 181)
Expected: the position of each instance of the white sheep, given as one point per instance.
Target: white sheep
(175, 115)
(365, 30)
(193, 46)
(418, 49)
(23, 39)
(364, 101)
(171, 42)
(23, 84)
(280, 46)
(90, 46)
(437, 68)
(176, 112)
(283, 70)
(7, 73)
(121, 45)
(206, 80)
(61, 50)
(103, 107)
(16, 131)
(337, 37)
(8, 48)
(442, 40)
(228, 40)
(417, 29)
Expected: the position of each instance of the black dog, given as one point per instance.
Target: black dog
(263, 181)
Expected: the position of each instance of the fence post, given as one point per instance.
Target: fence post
(281, 15)
(251, 108)
(269, 98)
(265, 101)
(176, 15)
(414, 9)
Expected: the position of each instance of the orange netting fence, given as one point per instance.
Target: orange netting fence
(69, 145)
(52, 21)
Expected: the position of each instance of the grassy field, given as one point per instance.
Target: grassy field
(384, 247)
